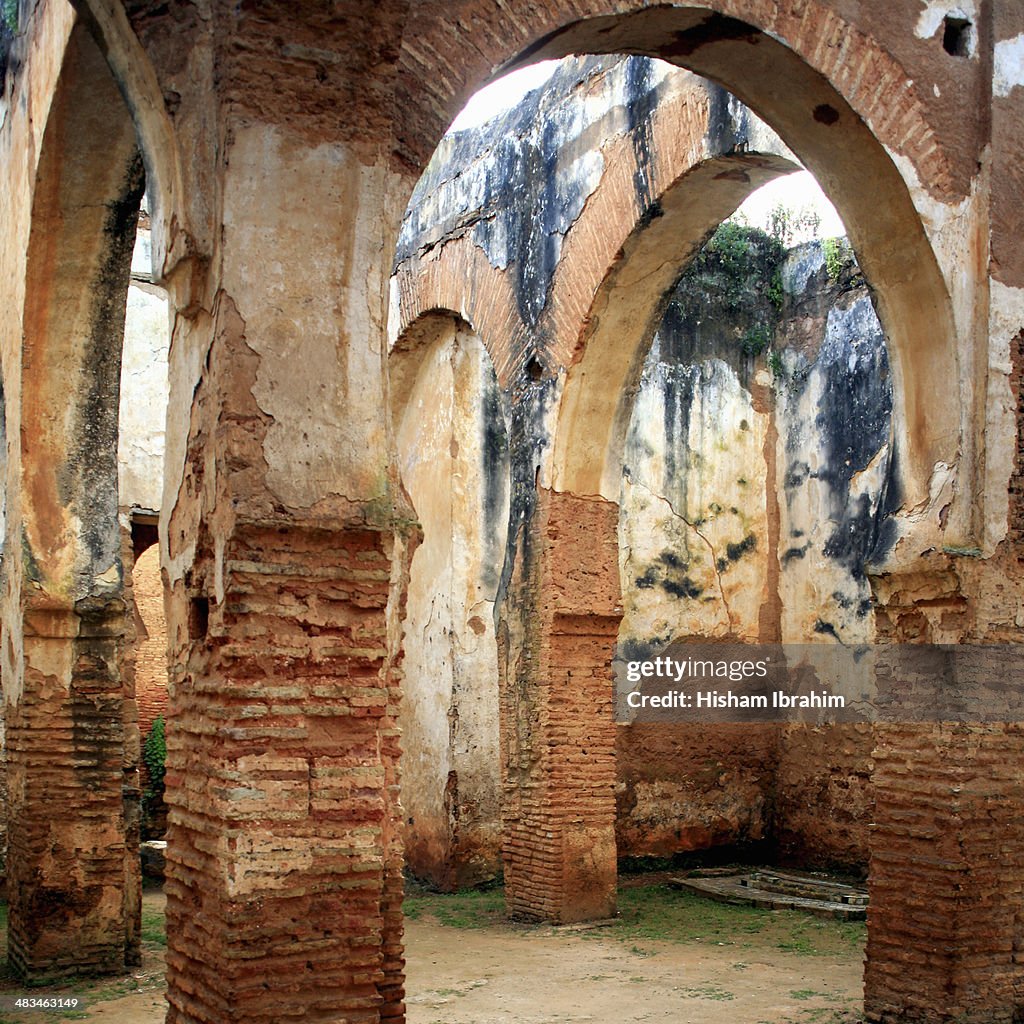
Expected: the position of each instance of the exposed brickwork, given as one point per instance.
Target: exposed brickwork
(131, 783)
(475, 36)
(823, 797)
(456, 275)
(67, 830)
(1015, 534)
(558, 730)
(282, 870)
(425, 285)
(944, 922)
(692, 788)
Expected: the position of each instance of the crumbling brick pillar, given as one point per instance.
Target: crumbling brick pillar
(70, 860)
(558, 722)
(284, 865)
(946, 917)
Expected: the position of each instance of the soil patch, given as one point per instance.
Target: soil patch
(669, 957)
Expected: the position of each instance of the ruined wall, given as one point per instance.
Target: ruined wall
(238, 102)
(535, 180)
(755, 460)
(453, 451)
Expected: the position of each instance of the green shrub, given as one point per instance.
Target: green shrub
(755, 341)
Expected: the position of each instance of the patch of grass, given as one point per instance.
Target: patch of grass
(474, 909)
(656, 912)
(824, 1015)
(154, 928)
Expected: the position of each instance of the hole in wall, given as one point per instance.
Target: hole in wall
(956, 36)
(198, 618)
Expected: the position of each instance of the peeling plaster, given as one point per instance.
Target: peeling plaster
(320, 370)
(1006, 322)
(930, 20)
(1008, 65)
(951, 230)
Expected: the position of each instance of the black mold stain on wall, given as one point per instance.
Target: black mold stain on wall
(495, 479)
(528, 193)
(643, 100)
(729, 310)
(90, 476)
(527, 443)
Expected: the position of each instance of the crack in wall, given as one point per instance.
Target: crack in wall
(711, 548)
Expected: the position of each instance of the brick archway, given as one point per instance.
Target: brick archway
(71, 730)
(839, 100)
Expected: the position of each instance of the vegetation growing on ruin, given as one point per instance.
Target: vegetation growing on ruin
(154, 756)
(837, 255)
(735, 262)
(731, 296)
(655, 913)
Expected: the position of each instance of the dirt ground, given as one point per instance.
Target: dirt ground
(467, 965)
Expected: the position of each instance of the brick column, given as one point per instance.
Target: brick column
(558, 723)
(70, 860)
(946, 918)
(283, 869)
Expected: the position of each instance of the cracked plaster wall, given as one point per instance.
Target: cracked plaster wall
(453, 453)
(753, 496)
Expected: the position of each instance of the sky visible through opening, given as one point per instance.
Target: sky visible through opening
(797, 192)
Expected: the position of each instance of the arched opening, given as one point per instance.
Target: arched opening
(74, 803)
(798, 95)
(753, 497)
(603, 363)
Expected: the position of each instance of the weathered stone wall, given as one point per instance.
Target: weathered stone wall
(453, 451)
(765, 393)
(492, 208)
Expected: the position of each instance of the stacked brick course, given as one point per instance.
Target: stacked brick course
(65, 756)
(151, 644)
(558, 727)
(283, 872)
